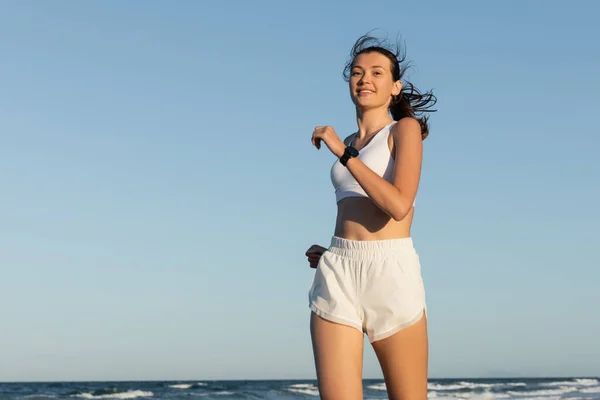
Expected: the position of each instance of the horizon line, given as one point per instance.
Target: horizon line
(292, 379)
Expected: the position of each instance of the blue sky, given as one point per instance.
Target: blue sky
(159, 188)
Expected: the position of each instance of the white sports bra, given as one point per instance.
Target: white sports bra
(376, 155)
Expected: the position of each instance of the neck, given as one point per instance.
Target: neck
(371, 121)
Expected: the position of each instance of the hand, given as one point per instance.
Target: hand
(331, 139)
(314, 253)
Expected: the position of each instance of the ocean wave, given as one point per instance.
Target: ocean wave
(543, 398)
(131, 394)
(549, 392)
(436, 396)
(471, 385)
(304, 388)
(443, 387)
(489, 395)
(574, 382)
(486, 395)
(221, 393)
(187, 385)
(434, 388)
(591, 390)
(378, 386)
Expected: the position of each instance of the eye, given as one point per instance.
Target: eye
(377, 73)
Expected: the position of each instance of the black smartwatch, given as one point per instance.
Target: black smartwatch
(348, 153)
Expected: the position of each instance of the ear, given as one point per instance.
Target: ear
(397, 88)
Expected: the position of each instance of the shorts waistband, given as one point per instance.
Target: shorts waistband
(365, 249)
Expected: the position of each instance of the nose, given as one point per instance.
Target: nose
(364, 79)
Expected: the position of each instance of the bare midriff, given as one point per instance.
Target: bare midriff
(358, 218)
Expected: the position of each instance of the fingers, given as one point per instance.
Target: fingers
(315, 248)
(310, 250)
(314, 254)
(314, 258)
(314, 261)
(319, 134)
(317, 143)
(316, 139)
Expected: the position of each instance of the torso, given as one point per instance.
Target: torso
(358, 218)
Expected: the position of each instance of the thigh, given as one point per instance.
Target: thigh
(403, 358)
(338, 352)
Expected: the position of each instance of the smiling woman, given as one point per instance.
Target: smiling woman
(369, 279)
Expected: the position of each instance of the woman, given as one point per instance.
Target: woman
(369, 279)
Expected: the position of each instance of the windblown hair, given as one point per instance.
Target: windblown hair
(410, 102)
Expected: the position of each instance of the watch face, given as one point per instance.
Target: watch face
(352, 151)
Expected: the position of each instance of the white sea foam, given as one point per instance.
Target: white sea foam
(470, 396)
(549, 392)
(587, 382)
(434, 391)
(436, 396)
(181, 386)
(543, 398)
(441, 386)
(186, 385)
(463, 385)
(304, 388)
(132, 394)
(308, 392)
(472, 386)
(591, 390)
(378, 386)
(574, 382)
(488, 396)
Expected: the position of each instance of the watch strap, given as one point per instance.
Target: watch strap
(349, 152)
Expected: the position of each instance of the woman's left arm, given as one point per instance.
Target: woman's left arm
(396, 198)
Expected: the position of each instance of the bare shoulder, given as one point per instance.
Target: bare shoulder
(406, 137)
(406, 128)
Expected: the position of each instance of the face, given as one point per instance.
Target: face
(371, 82)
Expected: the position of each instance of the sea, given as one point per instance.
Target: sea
(439, 389)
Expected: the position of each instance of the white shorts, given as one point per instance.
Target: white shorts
(373, 286)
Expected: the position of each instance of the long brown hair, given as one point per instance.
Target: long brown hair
(410, 102)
